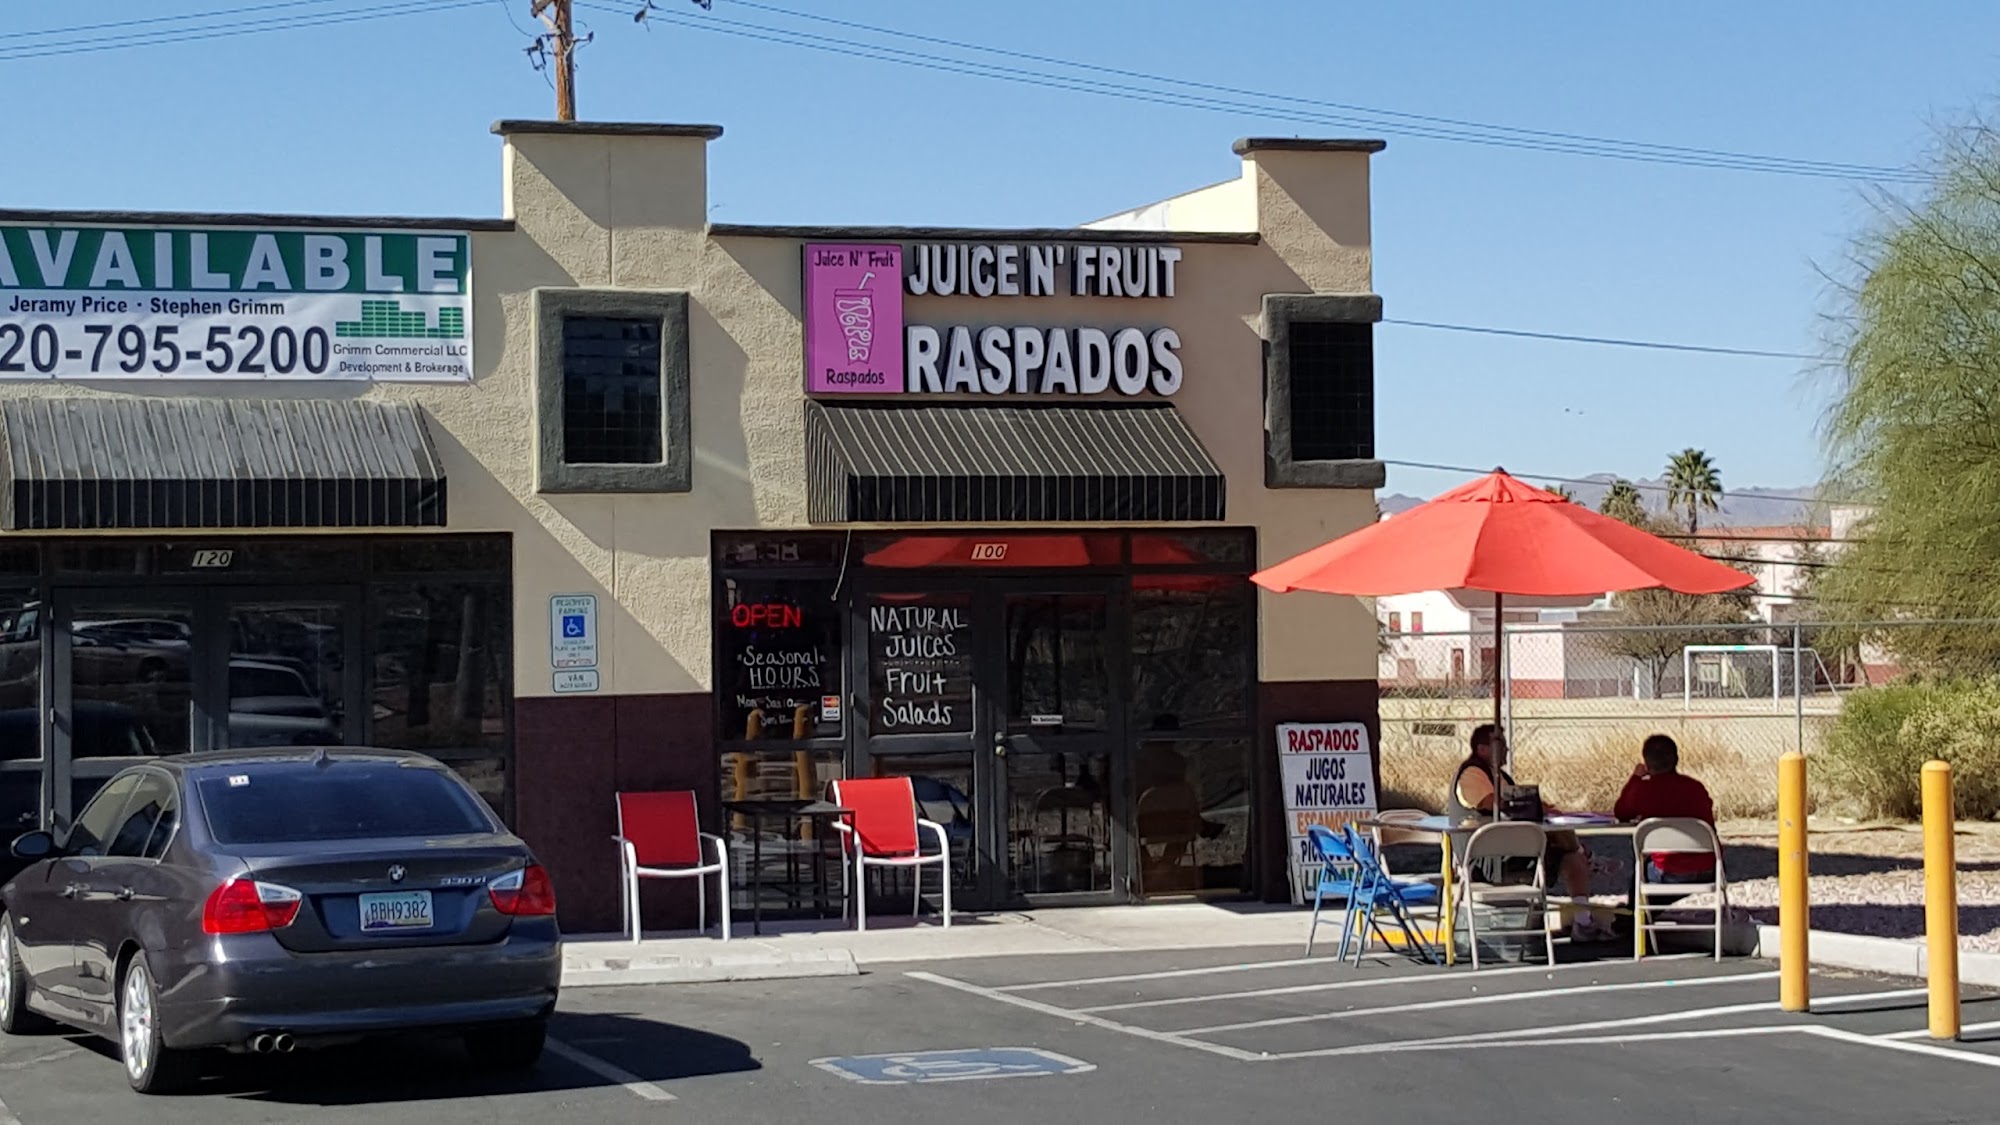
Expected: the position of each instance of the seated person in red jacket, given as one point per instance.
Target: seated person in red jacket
(1658, 789)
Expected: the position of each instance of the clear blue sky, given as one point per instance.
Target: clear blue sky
(390, 117)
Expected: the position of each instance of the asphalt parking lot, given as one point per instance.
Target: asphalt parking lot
(1171, 1037)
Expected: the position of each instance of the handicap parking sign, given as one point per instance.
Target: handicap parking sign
(910, 1068)
(573, 631)
(572, 625)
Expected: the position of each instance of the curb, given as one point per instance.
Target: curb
(600, 971)
(1881, 955)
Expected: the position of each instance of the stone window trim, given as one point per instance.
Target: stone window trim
(670, 308)
(1280, 312)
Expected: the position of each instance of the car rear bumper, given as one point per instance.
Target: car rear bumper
(234, 988)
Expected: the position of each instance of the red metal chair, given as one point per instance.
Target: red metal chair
(660, 837)
(886, 833)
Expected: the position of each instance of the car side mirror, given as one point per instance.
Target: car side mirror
(34, 845)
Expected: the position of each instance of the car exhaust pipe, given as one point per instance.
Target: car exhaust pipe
(283, 1043)
(261, 1044)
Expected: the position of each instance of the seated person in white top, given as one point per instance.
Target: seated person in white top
(1472, 793)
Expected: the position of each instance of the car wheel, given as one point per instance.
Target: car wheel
(150, 1065)
(515, 1046)
(15, 1018)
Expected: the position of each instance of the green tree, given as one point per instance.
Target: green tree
(1693, 485)
(1914, 429)
(1663, 622)
(1623, 502)
(1563, 491)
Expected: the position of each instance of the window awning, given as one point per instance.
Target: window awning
(1011, 464)
(78, 464)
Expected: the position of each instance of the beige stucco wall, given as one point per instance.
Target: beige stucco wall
(630, 212)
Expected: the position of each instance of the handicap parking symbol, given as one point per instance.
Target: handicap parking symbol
(909, 1068)
(572, 625)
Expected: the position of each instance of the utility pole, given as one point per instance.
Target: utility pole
(562, 36)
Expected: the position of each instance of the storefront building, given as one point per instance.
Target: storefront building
(602, 496)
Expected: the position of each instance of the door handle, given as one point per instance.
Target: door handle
(71, 890)
(124, 894)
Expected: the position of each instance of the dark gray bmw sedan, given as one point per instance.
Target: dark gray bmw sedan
(273, 900)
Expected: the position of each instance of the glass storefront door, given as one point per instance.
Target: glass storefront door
(998, 703)
(1054, 727)
(138, 675)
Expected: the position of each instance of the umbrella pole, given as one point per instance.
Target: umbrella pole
(1499, 670)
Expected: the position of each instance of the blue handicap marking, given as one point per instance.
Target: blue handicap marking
(907, 1068)
(572, 624)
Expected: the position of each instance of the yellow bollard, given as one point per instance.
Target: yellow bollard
(1941, 898)
(1794, 955)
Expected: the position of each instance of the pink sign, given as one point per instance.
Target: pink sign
(854, 319)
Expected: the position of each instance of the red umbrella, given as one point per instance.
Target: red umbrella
(1499, 536)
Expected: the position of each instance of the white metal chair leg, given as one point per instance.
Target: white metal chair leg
(701, 905)
(944, 871)
(860, 890)
(917, 899)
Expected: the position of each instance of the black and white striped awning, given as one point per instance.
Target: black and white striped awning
(79, 464)
(1006, 464)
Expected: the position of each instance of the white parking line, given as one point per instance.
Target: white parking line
(1514, 1035)
(1925, 1032)
(1488, 998)
(632, 1083)
(7, 1116)
(1216, 970)
(1335, 986)
(1087, 1018)
(1931, 1050)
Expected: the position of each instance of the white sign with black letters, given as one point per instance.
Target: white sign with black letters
(1328, 775)
(573, 631)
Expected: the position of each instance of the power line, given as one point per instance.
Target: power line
(1705, 349)
(161, 37)
(1426, 126)
(1470, 471)
(113, 24)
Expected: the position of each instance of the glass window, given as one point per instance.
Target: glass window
(99, 820)
(1223, 547)
(1333, 391)
(779, 673)
(735, 551)
(1057, 677)
(779, 775)
(346, 800)
(919, 664)
(282, 559)
(1192, 657)
(455, 555)
(441, 651)
(21, 618)
(612, 387)
(1193, 815)
(142, 812)
(991, 550)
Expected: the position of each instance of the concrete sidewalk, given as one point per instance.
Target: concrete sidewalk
(832, 948)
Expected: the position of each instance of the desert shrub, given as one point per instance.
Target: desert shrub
(1877, 748)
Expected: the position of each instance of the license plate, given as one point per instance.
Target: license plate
(403, 910)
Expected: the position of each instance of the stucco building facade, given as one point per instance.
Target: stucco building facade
(598, 495)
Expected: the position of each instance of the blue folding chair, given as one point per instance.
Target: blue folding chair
(1379, 890)
(1336, 860)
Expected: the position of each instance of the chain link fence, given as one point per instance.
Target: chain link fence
(1578, 699)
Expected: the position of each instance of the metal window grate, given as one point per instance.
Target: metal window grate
(1333, 391)
(611, 391)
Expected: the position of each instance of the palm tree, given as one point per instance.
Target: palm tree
(1623, 502)
(1692, 485)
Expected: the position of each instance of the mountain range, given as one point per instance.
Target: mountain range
(1740, 507)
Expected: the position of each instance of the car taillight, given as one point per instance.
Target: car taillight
(526, 893)
(244, 906)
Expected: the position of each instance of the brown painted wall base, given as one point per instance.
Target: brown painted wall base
(573, 753)
(1300, 701)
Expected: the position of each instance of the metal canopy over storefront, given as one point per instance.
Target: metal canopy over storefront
(1011, 464)
(131, 463)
